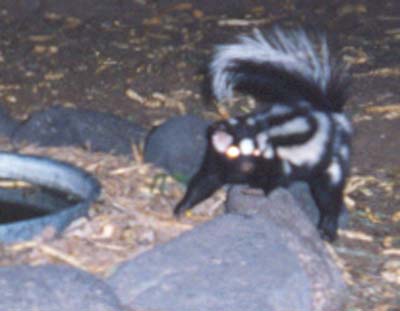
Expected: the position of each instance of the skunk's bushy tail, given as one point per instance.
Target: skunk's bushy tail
(285, 66)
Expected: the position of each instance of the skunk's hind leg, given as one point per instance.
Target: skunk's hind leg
(328, 195)
(329, 201)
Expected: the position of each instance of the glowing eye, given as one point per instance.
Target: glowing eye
(232, 152)
(246, 146)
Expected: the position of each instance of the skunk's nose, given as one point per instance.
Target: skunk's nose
(246, 166)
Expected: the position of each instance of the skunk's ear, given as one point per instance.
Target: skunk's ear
(221, 140)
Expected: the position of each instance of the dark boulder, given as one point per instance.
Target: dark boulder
(98, 131)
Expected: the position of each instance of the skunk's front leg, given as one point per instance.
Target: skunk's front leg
(201, 186)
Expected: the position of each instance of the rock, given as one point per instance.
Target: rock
(7, 123)
(302, 238)
(268, 259)
(178, 145)
(233, 270)
(54, 288)
(301, 192)
(59, 126)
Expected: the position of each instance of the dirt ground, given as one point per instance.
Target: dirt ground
(145, 60)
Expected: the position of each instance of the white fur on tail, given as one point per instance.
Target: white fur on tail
(292, 50)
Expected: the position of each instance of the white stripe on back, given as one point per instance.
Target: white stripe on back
(298, 125)
(312, 151)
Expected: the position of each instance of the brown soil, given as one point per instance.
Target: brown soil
(145, 60)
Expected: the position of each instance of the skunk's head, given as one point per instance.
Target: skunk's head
(240, 143)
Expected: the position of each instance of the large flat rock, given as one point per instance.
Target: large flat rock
(227, 264)
(237, 262)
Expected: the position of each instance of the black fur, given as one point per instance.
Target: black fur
(302, 133)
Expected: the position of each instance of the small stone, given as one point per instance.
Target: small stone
(54, 287)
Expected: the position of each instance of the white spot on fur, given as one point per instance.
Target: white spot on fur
(343, 122)
(304, 104)
(221, 141)
(344, 152)
(292, 50)
(262, 140)
(310, 152)
(268, 152)
(233, 121)
(335, 172)
(287, 169)
(280, 110)
(246, 146)
(264, 146)
(297, 125)
(260, 117)
(251, 121)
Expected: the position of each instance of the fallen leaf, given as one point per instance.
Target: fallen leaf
(198, 14)
(396, 216)
(154, 21)
(391, 271)
(72, 22)
(181, 7)
(131, 94)
(384, 109)
(39, 49)
(51, 16)
(40, 38)
(53, 76)
(352, 9)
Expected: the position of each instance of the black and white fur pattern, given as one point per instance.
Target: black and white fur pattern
(300, 134)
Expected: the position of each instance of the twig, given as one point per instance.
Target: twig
(53, 252)
(243, 22)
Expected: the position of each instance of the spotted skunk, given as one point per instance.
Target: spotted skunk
(301, 133)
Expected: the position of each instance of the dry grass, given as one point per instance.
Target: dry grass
(132, 215)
